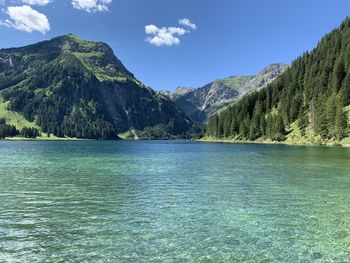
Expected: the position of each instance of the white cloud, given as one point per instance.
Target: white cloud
(91, 5)
(187, 22)
(168, 36)
(151, 29)
(165, 36)
(36, 2)
(24, 18)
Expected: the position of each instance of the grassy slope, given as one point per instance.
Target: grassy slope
(125, 135)
(294, 137)
(18, 120)
(14, 118)
(235, 82)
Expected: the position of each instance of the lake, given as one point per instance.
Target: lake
(176, 201)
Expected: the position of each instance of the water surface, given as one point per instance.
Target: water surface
(90, 201)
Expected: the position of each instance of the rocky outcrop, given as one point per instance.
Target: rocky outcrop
(201, 103)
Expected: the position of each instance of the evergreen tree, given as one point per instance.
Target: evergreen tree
(312, 93)
(340, 123)
(7, 130)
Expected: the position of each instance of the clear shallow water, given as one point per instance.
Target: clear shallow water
(173, 202)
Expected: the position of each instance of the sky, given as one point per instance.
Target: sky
(182, 43)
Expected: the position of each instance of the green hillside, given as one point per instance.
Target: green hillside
(70, 87)
(308, 103)
(14, 118)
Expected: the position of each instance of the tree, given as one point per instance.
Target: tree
(338, 74)
(313, 92)
(7, 130)
(340, 123)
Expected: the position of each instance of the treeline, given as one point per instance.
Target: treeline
(166, 132)
(313, 94)
(7, 130)
(30, 133)
(78, 94)
(69, 105)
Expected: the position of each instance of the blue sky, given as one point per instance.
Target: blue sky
(232, 37)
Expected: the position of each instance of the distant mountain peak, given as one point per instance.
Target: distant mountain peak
(200, 103)
(275, 68)
(97, 57)
(72, 38)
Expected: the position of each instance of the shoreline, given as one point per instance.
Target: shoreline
(228, 141)
(14, 139)
(204, 140)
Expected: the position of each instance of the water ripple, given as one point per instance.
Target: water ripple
(173, 202)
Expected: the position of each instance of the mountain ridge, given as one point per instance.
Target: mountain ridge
(308, 104)
(201, 103)
(77, 88)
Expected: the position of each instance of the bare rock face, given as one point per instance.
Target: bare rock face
(179, 92)
(199, 104)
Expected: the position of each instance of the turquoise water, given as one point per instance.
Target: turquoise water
(173, 202)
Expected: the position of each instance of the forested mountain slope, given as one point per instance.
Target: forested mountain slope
(308, 103)
(71, 87)
(199, 104)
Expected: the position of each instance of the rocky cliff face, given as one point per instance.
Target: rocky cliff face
(200, 103)
(77, 88)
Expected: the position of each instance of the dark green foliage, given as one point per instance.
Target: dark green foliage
(162, 131)
(313, 93)
(340, 124)
(76, 88)
(73, 107)
(7, 130)
(30, 133)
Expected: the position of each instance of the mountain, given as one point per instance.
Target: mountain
(201, 103)
(71, 87)
(308, 103)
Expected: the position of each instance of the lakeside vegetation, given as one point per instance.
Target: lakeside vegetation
(65, 89)
(344, 143)
(308, 104)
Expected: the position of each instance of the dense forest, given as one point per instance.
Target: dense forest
(72, 87)
(29, 133)
(7, 130)
(311, 97)
(72, 109)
